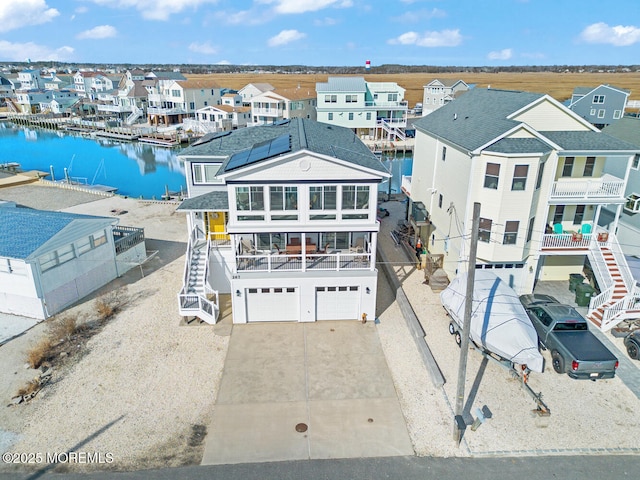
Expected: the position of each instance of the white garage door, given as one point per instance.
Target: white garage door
(337, 303)
(272, 304)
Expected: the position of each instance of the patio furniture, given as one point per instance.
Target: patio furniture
(585, 229)
(557, 229)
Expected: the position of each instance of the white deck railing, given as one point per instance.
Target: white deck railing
(269, 262)
(606, 186)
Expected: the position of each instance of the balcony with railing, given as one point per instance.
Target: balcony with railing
(599, 189)
(279, 262)
(166, 111)
(127, 237)
(115, 108)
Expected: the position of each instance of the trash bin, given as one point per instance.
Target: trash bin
(574, 280)
(584, 292)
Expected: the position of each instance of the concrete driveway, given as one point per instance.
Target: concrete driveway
(292, 391)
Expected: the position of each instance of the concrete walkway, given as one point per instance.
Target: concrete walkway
(293, 391)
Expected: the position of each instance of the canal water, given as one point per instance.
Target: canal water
(135, 169)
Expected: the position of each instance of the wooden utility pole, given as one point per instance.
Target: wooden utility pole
(459, 424)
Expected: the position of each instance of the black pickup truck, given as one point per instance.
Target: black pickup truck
(565, 333)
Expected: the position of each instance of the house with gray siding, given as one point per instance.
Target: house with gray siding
(600, 106)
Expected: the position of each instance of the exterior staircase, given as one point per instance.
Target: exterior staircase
(135, 115)
(619, 298)
(396, 131)
(196, 297)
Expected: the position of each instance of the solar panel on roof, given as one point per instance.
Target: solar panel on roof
(260, 151)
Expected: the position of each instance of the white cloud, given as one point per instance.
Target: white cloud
(325, 22)
(284, 37)
(96, 33)
(155, 9)
(19, 52)
(617, 36)
(443, 38)
(420, 16)
(223, 62)
(302, 6)
(504, 54)
(23, 13)
(205, 48)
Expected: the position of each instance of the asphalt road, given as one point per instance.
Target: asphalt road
(610, 467)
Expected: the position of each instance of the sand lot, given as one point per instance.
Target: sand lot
(145, 386)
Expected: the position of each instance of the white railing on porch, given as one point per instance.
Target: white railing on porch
(606, 186)
(269, 262)
(204, 306)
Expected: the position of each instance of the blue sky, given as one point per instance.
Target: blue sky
(323, 32)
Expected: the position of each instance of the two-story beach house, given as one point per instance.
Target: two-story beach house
(30, 79)
(600, 106)
(171, 101)
(439, 92)
(377, 110)
(89, 83)
(282, 104)
(628, 129)
(129, 102)
(282, 218)
(251, 90)
(219, 118)
(538, 171)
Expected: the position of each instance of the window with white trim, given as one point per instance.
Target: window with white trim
(330, 116)
(520, 177)
(330, 99)
(601, 113)
(617, 114)
(492, 175)
(484, 231)
(567, 168)
(204, 173)
(355, 197)
(250, 198)
(598, 99)
(592, 112)
(351, 98)
(351, 116)
(579, 215)
(589, 164)
(511, 232)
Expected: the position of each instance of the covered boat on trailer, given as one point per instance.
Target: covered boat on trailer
(499, 323)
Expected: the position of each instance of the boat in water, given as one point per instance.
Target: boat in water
(499, 323)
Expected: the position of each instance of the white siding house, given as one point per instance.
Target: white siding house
(283, 219)
(282, 104)
(538, 171)
(375, 109)
(439, 92)
(50, 260)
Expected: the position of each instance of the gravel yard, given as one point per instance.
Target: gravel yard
(145, 385)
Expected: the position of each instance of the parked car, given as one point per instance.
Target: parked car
(632, 344)
(565, 333)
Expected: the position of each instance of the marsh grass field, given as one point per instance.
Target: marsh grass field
(558, 85)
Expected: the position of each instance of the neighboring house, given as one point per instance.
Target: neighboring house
(439, 92)
(61, 102)
(251, 90)
(49, 260)
(283, 219)
(538, 171)
(89, 83)
(628, 233)
(171, 101)
(282, 104)
(29, 101)
(30, 80)
(6, 87)
(374, 109)
(220, 118)
(232, 99)
(129, 102)
(59, 82)
(600, 106)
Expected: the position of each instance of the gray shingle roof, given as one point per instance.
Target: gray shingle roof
(24, 230)
(519, 145)
(476, 117)
(321, 138)
(342, 84)
(207, 201)
(588, 140)
(627, 129)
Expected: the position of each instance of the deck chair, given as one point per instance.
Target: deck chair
(247, 247)
(585, 229)
(557, 228)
